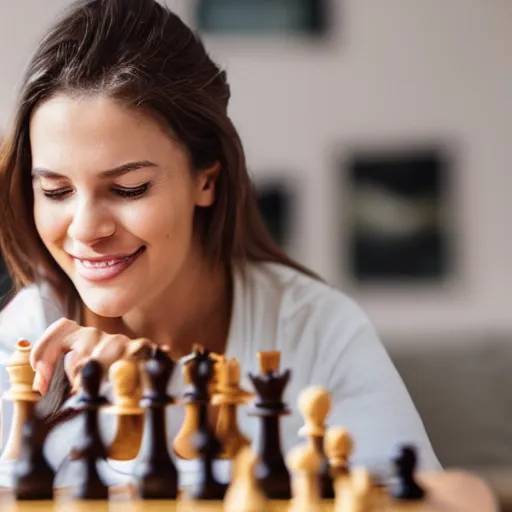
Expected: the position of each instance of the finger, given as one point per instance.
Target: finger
(82, 344)
(48, 348)
(110, 348)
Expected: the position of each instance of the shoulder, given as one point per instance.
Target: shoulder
(298, 296)
(27, 316)
(303, 314)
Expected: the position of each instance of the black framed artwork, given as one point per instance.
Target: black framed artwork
(398, 215)
(276, 203)
(263, 17)
(5, 284)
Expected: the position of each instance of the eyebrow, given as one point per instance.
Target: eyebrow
(38, 172)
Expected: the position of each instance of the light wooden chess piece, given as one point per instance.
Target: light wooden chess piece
(359, 495)
(244, 494)
(21, 377)
(338, 446)
(125, 377)
(269, 360)
(228, 397)
(304, 462)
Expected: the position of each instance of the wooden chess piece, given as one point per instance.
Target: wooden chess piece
(156, 474)
(359, 496)
(314, 404)
(229, 395)
(21, 377)
(407, 488)
(305, 462)
(201, 440)
(124, 375)
(33, 476)
(244, 494)
(271, 471)
(338, 447)
(92, 487)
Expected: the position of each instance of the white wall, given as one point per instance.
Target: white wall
(395, 71)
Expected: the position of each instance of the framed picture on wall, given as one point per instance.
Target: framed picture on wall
(398, 215)
(277, 204)
(263, 17)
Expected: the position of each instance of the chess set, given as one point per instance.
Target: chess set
(316, 475)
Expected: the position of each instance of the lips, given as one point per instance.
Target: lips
(105, 269)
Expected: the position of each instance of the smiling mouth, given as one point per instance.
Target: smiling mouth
(104, 270)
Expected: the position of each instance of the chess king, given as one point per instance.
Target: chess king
(128, 212)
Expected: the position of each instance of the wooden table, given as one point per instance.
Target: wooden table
(449, 491)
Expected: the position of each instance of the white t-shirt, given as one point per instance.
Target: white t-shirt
(324, 338)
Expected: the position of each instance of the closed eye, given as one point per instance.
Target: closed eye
(124, 192)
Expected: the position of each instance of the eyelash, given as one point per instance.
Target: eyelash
(125, 193)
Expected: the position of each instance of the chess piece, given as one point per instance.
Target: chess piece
(21, 377)
(271, 471)
(92, 487)
(33, 476)
(406, 487)
(244, 494)
(305, 462)
(229, 395)
(338, 447)
(199, 368)
(314, 404)
(359, 496)
(156, 473)
(125, 378)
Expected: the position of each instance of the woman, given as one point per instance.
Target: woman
(129, 213)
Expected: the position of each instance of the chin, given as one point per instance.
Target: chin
(107, 305)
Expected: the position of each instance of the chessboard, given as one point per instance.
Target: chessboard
(316, 475)
(448, 491)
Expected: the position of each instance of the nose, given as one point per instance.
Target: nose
(91, 223)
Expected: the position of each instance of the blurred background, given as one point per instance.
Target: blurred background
(378, 135)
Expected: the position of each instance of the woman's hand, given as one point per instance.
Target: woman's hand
(79, 344)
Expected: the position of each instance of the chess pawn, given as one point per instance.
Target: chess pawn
(33, 476)
(92, 486)
(314, 404)
(244, 494)
(406, 487)
(228, 397)
(305, 463)
(338, 447)
(21, 377)
(125, 378)
(359, 495)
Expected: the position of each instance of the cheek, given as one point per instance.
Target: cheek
(160, 222)
(50, 224)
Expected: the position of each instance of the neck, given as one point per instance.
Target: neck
(195, 309)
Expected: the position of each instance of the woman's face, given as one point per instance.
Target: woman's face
(114, 200)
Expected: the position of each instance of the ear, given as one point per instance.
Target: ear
(205, 188)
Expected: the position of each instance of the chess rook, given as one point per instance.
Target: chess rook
(156, 474)
(271, 471)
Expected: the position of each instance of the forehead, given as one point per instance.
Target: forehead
(96, 132)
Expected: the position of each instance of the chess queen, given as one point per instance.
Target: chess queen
(127, 211)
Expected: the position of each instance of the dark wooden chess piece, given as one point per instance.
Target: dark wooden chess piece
(33, 476)
(200, 373)
(271, 471)
(156, 473)
(94, 451)
(406, 486)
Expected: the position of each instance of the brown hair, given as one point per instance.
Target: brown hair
(142, 54)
